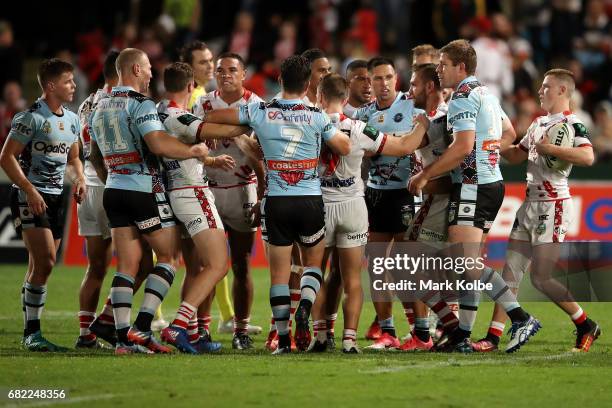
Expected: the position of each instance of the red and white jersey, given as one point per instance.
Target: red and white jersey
(84, 112)
(183, 125)
(438, 139)
(543, 183)
(241, 174)
(341, 175)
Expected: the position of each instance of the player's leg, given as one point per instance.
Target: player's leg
(98, 258)
(350, 268)
(333, 294)
(318, 318)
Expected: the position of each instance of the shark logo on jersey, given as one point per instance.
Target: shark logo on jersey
(398, 117)
(386, 172)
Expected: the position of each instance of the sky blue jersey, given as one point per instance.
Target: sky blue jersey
(290, 134)
(118, 125)
(48, 138)
(473, 107)
(390, 173)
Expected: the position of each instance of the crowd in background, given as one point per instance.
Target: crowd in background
(516, 41)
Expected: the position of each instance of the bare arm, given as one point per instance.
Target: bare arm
(96, 159)
(514, 154)
(580, 156)
(339, 143)
(407, 144)
(226, 116)
(162, 144)
(454, 155)
(74, 161)
(8, 161)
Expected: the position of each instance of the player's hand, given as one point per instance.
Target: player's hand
(417, 183)
(256, 215)
(422, 120)
(199, 151)
(543, 146)
(35, 202)
(79, 190)
(224, 162)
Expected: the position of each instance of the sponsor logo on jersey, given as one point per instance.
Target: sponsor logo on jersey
(147, 118)
(51, 149)
(289, 117)
(461, 116)
(21, 128)
(114, 160)
(288, 165)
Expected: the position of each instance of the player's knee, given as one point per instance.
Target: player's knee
(43, 265)
(537, 282)
(516, 264)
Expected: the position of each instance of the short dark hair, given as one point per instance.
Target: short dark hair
(356, 64)
(427, 72)
(378, 61)
(334, 87)
(459, 51)
(232, 55)
(110, 70)
(187, 51)
(177, 76)
(313, 54)
(295, 73)
(51, 69)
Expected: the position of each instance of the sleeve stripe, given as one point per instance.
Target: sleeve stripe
(585, 145)
(382, 144)
(523, 148)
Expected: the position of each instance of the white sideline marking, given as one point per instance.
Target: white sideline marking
(68, 400)
(453, 362)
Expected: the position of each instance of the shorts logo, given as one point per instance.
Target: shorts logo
(543, 217)
(25, 214)
(358, 236)
(541, 228)
(398, 117)
(151, 222)
(192, 224)
(312, 238)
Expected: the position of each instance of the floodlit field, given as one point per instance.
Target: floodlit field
(544, 373)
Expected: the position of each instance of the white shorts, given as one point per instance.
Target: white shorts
(346, 223)
(430, 223)
(195, 209)
(542, 222)
(234, 205)
(93, 221)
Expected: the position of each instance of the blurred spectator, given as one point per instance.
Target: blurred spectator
(80, 79)
(185, 14)
(323, 24)
(601, 132)
(525, 71)
(287, 41)
(364, 29)
(533, 22)
(240, 41)
(527, 110)
(593, 41)
(494, 68)
(126, 36)
(11, 59)
(91, 55)
(564, 24)
(11, 103)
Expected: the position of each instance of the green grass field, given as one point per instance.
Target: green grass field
(544, 373)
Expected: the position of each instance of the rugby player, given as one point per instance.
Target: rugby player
(42, 141)
(390, 206)
(194, 206)
(290, 134)
(126, 136)
(544, 218)
(235, 192)
(477, 122)
(345, 208)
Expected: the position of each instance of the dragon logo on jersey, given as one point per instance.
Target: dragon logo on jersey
(207, 106)
(292, 177)
(330, 160)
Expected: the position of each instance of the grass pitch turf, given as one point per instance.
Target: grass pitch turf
(543, 373)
